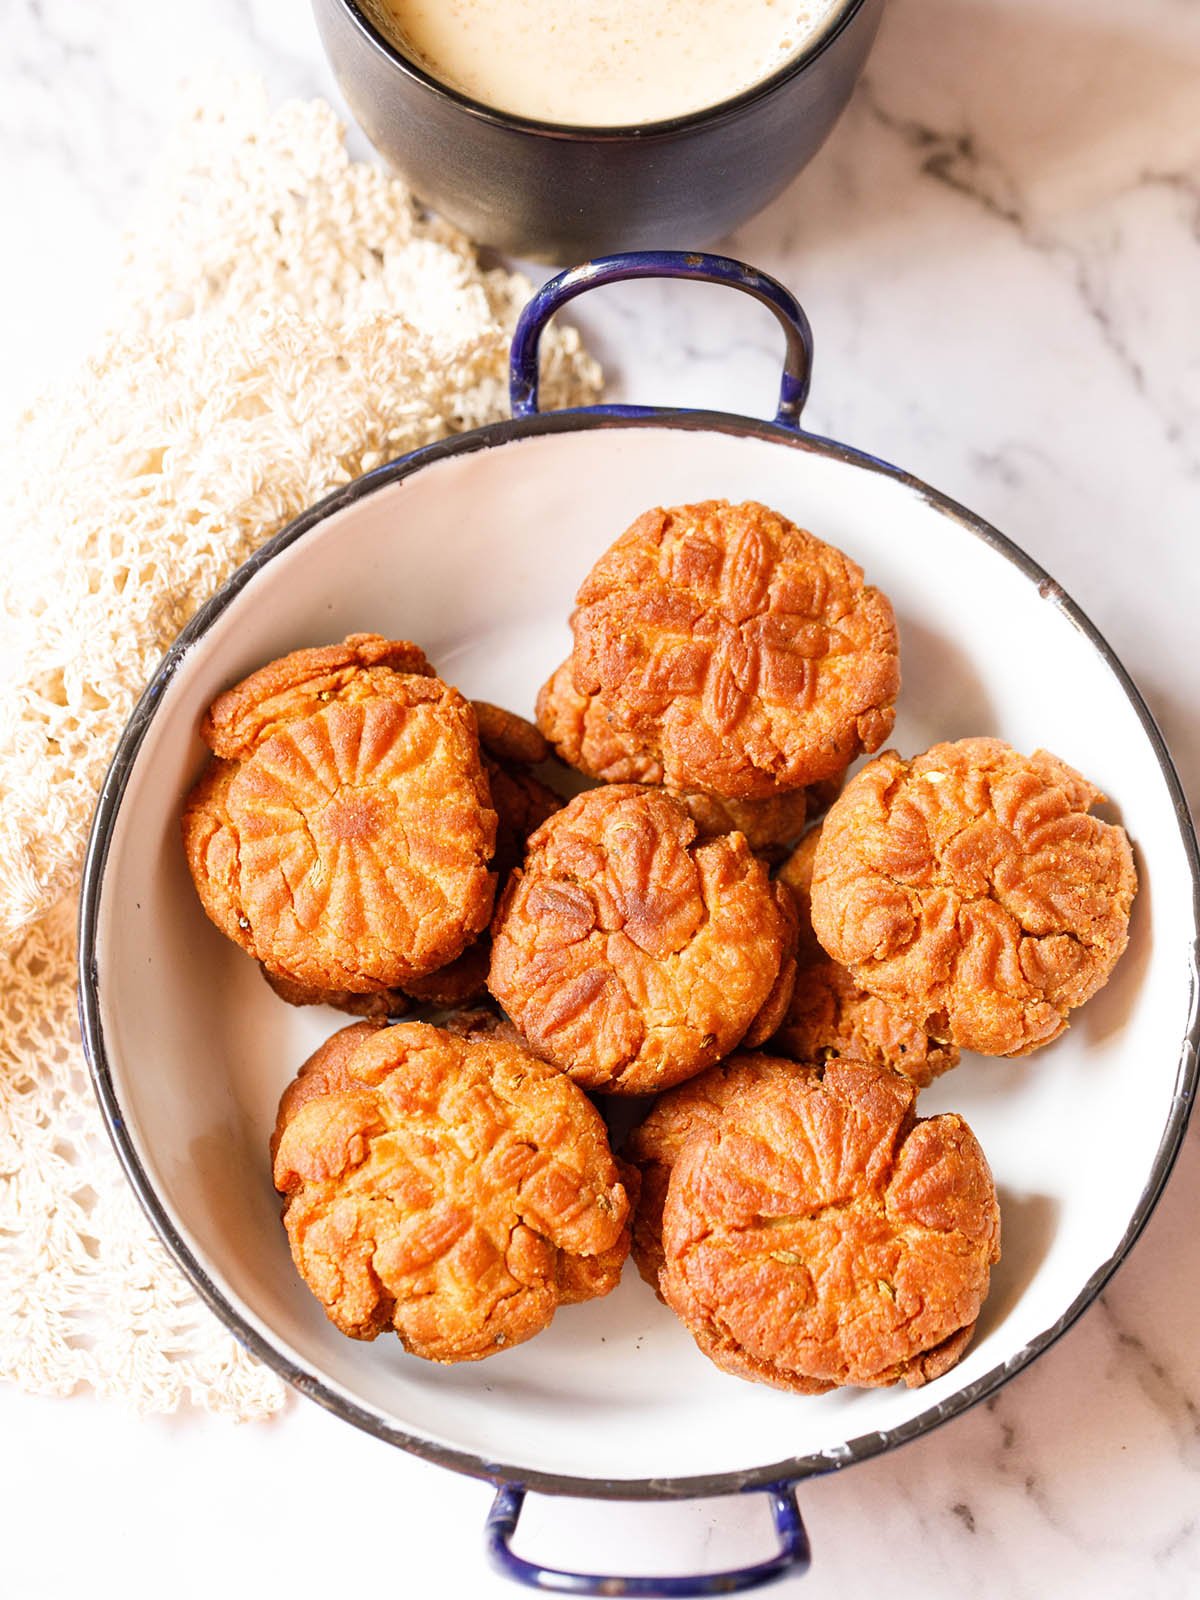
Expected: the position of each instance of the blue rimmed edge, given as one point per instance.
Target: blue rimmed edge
(330, 1396)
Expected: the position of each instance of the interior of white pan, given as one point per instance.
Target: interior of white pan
(477, 557)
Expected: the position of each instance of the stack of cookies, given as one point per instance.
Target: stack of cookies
(376, 842)
(349, 830)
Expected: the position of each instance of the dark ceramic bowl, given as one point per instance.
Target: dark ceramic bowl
(558, 193)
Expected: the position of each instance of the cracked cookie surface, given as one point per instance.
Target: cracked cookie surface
(302, 683)
(453, 1189)
(344, 832)
(577, 727)
(508, 744)
(972, 890)
(816, 1233)
(742, 653)
(629, 952)
(654, 1145)
(830, 1014)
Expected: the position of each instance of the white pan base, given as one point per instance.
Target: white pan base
(477, 558)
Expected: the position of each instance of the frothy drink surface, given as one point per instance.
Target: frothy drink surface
(602, 62)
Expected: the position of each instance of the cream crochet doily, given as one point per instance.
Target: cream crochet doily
(288, 319)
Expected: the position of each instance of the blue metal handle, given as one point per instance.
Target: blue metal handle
(797, 364)
(793, 1556)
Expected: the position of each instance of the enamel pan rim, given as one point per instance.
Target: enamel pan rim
(312, 1383)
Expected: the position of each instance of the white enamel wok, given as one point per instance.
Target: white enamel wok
(474, 547)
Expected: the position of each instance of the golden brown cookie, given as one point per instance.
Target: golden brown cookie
(588, 740)
(522, 803)
(344, 836)
(301, 684)
(590, 1277)
(971, 890)
(509, 737)
(822, 795)
(654, 1145)
(482, 1020)
(382, 1004)
(774, 1008)
(740, 651)
(630, 953)
(795, 875)
(818, 1233)
(454, 1189)
(576, 726)
(829, 1014)
(512, 747)
(770, 826)
(461, 981)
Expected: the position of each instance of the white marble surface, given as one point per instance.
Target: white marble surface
(1000, 253)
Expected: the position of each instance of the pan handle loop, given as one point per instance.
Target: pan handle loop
(793, 1557)
(797, 364)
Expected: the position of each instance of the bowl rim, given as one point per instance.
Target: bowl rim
(331, 1395)
(666, 127)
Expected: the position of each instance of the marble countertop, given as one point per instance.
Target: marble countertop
(999, 250)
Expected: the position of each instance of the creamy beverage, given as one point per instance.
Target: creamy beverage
(595, 63)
